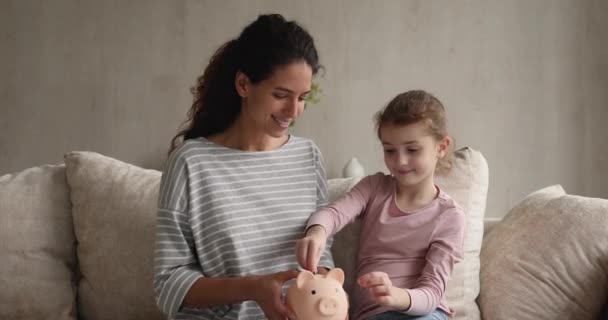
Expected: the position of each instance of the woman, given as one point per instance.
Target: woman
(237, 191)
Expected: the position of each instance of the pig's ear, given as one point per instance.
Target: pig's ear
(336, 273)
(304, 276)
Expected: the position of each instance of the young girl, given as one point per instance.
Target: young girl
(412, 232)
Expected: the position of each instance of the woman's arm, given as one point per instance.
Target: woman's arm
(327, 221)
(265, 290)
(175, 263)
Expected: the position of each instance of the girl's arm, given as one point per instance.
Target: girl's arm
(446, 249)
(310, 248)
(337, 215)
(327, 221)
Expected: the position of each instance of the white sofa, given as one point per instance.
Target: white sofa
(76, 242)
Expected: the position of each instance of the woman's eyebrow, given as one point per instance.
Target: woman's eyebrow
(288, 90)
(284, 89)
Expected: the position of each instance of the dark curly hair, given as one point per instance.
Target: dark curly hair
(265, 44)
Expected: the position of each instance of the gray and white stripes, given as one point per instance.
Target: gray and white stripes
(228, 213)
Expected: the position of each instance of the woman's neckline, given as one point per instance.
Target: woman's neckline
(220, 146)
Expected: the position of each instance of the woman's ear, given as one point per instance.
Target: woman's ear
(443, 146)
(242, 84)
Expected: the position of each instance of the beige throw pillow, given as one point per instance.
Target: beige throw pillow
(547, 259)
(37, 246)
(114, 210)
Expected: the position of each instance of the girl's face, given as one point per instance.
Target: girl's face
(411, 152)
(271, 105)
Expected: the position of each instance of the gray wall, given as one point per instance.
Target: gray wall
(525, 82)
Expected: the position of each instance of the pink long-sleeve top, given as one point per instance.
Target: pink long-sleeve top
(416, 249)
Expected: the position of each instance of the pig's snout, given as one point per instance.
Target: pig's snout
(328, 306)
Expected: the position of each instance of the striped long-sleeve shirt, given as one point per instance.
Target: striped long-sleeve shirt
(230, 213)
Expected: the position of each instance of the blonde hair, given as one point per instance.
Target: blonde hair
(417, 106)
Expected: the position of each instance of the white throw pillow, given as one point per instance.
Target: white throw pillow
(37, 246)
(547, 259)
(467, 183)
(114, 211)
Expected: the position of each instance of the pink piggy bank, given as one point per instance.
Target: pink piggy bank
(314, 297)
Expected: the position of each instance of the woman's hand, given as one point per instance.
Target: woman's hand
(310, 248)
(383, 292)
(269, 296)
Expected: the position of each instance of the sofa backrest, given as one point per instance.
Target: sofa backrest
(101, 213)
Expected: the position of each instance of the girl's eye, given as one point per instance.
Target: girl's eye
(413, 150)
(389, 151)
(279, 96)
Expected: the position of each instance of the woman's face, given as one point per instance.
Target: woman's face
(271, 105)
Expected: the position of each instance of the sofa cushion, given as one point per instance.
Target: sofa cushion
(37, 246)
(114, 211)
(547, 259)
(467, 183)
